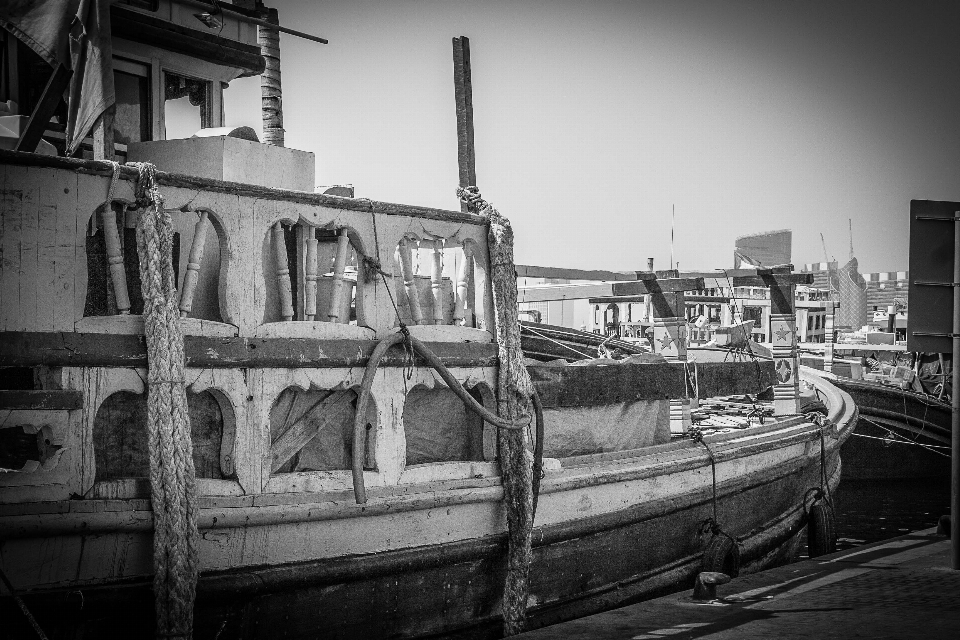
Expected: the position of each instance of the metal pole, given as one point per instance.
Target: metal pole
(955, 400)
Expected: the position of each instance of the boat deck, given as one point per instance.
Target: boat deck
(900, 588)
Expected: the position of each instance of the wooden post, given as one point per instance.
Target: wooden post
(783, 335)
(111, 238)
(271, 95)
(463, 92)
(339, 266)
(193, 264)
(461, 312)
(410, 281)
(284, 290)
(310, 269)
(670, 341)
(436, 281)
(828, 337)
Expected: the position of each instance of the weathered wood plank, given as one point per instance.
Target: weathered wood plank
(28, 278)
(463, 92)
(94, 167)
(658, 285)
(530, 271)
(590, 386)
(47, 295)
(331, 411)
(19, 348)
(42, 400)
(773, 280)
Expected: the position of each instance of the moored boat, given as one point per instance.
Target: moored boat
(339, 485)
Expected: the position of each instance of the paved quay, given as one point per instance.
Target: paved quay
(895, 589)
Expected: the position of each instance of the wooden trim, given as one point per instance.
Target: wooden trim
(152, 31)
(773, 280)
(42, 400)
(94, 167)
(24, 348)
(530, 271)
(657, 285)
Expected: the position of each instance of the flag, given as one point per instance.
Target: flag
(76, 34)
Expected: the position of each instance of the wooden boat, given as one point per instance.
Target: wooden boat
(274, 355)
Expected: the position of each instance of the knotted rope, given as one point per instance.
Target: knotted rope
(172, 475)
(514, 392)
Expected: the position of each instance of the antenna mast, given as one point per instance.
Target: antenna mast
(673, 220)
(850, 220)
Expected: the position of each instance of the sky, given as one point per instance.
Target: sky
(593, 120)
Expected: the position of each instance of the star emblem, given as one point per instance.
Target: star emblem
(783, 333)
(784, 371)
(666, 342)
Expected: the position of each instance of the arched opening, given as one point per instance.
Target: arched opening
(439, 428)
(312, 430)
(120, 436)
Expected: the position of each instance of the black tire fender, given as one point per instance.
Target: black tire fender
(821, 530)
(722, 555)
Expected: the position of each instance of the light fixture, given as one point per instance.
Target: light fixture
(209, 19)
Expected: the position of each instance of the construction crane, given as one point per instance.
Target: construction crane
(826, 256)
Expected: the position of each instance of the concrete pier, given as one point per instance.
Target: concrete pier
(896, 589)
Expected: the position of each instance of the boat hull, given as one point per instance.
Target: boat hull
(581, 565)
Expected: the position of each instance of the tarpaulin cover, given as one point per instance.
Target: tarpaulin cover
(331, 448)
(576, 431)
(439, 429)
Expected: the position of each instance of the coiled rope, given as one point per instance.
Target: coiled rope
(172, 474)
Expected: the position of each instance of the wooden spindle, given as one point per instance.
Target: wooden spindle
(436, 281)
(463, 284)
(310, 288)
(410, 281)
(111, 238)
(339, 266)
(283, 273)
(193, 264)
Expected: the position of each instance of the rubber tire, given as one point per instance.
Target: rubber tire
(810, 405)
(722, 555)
(821, 530)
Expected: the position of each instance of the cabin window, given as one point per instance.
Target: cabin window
(131, 122)
(186, 105)
(313, 431)
(439, 428)
(120, 436)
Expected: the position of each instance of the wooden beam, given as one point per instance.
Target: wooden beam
(52, 400)
(773, 280)
(40, 118)
(463, 93)
(733, 273)
(656, 286)
(563, 273)
(69, 349)
(598, 386)
(687, 299)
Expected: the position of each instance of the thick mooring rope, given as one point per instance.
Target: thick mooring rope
(172, 475)
(514, 392)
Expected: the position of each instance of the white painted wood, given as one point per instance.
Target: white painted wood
(409, 280)
(310, 273)
(133, 325)
(337, 292)
(461, 309)
(189, 286)
(436, 281)
(111, 237)
(283, 273)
